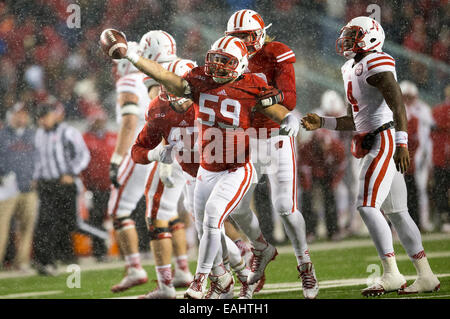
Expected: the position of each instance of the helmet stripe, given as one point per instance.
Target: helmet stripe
(171, 42)
(235, 18)
(175, 66)
(228, 41)
(220, 43)
(242, 18)
(258, 18)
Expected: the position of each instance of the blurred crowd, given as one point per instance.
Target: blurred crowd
(43, 60)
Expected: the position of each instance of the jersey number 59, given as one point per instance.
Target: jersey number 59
(229, 108)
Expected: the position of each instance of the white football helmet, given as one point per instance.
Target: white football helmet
(159, 46)
(180, 67)
(227, 59)
(123, 66)
(248, 26)
(409, 88)
(332, 104)
(361, 34)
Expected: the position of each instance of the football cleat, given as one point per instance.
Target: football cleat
(260, 283)
(134, 277)
(247, 291)
(161, 292)
(422, 284)
(309, 280)
(221, 287)
(387, 283)
(259, 262)
(197, 287)
(182, 278)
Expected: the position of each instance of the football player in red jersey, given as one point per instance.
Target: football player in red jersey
(224, 100)
(274, 60)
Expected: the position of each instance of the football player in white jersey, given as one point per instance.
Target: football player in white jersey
(164, 186)
(127, 177)
(377, 114)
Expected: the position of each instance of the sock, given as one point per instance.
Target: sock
(379, 230)
(208, 250)
(242, 273)
(164, 275)
(303, 258)
(421, 264)
(133, 260)
(218, 270)
(234, 254)
(408, 233)
(249, 224)
(389, 265)
(294, 225)
(182, 263)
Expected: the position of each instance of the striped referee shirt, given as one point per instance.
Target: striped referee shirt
(62, 151)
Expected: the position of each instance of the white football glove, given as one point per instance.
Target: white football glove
(290, 125)
(161, 153)
(165, 174)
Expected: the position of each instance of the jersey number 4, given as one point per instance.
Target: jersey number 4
(350, 97)
(229, 108)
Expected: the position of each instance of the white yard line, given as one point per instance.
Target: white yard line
(32, 294)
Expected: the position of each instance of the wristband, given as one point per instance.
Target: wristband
(116, 159)
(401, 137)
(328, 122)
(133, 57)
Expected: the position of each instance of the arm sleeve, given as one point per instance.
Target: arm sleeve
(285, 81)
(82, 156)
(148, 139)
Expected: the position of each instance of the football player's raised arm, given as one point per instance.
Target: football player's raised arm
(276, 112)
(173, 83)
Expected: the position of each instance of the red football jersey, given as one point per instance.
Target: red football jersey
(163, 122)
(275, 60)
(223, 112)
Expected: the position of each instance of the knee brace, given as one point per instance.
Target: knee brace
(175, 224)
(283, 205)
(124, 223)
(156, 233)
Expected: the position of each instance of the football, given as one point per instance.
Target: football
(113, 43)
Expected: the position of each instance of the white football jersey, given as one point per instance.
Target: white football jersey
(134, 83)
(369, 108)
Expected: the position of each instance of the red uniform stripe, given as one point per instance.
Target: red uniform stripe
(294, 189)
(383, 169)
(371, 169)
(380, 64)
(125, 169)
(236, 196)
(175, 66)
(157, 199)
(381, 58)
(122, 187)
(148, 185)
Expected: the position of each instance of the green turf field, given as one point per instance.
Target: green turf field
(340, 268)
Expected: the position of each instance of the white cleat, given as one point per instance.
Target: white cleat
(247, 290)
(422, 284)
(221, 287)
(134, 277)
(389, 282)
(197, 287)
(259, 262)
(309, 280)
(161, 292)
(182, 278)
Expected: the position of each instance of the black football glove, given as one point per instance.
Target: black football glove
(114, 174)
(270, 97)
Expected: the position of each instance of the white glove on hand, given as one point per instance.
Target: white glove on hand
(165, 174)
(290, 125)
(161, 153)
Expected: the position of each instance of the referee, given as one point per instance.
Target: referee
(62, 156)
